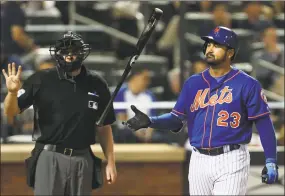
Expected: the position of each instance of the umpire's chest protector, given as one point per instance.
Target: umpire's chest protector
(220, 112)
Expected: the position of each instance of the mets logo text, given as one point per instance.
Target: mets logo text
(199, 101)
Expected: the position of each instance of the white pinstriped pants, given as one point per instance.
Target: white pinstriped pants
(225, 174)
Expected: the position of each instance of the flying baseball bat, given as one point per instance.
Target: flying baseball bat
(143, 39)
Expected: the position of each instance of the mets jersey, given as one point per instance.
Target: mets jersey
(220, 112)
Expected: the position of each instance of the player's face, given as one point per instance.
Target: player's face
(270, 37)
(142, 80)
(215, 53)
(220, 12)
(254, 9)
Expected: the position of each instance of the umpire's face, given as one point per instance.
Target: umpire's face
(69, 55)
(69, 58)
(217, 54)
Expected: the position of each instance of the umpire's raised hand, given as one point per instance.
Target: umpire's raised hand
(139, 121)
(13, 81)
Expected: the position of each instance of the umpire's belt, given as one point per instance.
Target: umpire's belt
(65, 151)
(218, 150)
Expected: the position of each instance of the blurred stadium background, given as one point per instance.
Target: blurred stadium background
(172, 55)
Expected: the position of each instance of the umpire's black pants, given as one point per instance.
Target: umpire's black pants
(58, 174)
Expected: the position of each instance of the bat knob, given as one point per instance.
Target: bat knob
(157, 13)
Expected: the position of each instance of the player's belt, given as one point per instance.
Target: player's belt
(218, 150)
(65, 151)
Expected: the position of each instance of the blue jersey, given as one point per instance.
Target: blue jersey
(220, 112)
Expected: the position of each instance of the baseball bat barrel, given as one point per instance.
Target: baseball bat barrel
(142, 41)
(145, 35)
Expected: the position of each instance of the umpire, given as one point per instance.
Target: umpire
(67, 101)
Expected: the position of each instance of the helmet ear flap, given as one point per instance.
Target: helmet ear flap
(233, 57)
(235, 53)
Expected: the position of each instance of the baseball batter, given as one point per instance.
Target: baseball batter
(219, 107)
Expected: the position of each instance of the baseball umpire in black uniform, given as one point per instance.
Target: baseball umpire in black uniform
(67, 101)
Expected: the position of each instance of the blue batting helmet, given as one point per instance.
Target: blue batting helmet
(224, 36)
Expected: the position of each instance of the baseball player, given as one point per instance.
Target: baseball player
(67, 101)
(219, 106)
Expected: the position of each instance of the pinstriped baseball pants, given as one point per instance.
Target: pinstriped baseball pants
(225, 174)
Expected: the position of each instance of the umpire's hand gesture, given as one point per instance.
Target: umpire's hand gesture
(140, 120)
(13, 82)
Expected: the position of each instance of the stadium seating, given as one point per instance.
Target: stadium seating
(157, 65)
(279, 21)
(50, 16)
(45, 35)
(112, 69)
(280, 34)
(235, 6)
(238, 18)
(104, 66)
(194, 20)
(245, 50)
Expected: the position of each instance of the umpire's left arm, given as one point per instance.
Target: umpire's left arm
(105, 134)
(106, 141)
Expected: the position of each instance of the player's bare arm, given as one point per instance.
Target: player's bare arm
(107, 143)
(19, 36)
(13, 85)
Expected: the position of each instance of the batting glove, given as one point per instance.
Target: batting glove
(139, 121)
(270, 173)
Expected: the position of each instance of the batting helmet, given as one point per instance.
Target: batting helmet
(70, 44)
(224, 36)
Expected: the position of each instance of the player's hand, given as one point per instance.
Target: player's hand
(13, 82)
(139, 121)
(270, 173)
(111, 173)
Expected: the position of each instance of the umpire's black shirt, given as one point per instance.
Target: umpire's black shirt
(66, 110)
